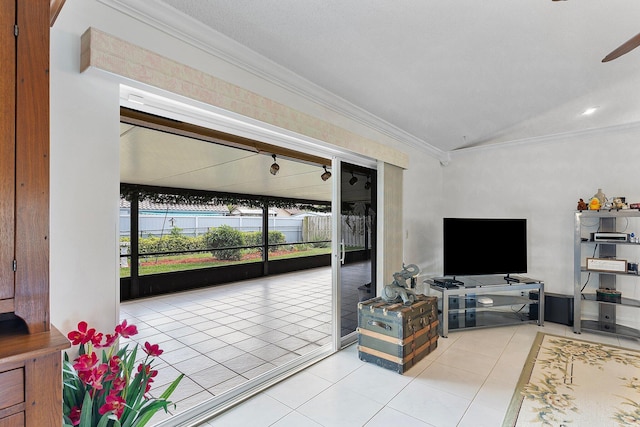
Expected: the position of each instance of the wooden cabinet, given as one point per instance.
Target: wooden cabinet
(30, 359)
(7, 154)
(30, 376)
(24, 201)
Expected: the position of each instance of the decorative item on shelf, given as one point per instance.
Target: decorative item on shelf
(601, 197)
(582, 205)
(632, 267)
(607, 265)
(619, 203)
(634, 205)
(107, 386)
(398, 290)
(608, 295)
(594, 204)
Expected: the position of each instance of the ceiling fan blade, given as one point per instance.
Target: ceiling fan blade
(625, 47)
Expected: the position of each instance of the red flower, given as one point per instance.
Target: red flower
(145, 368)
(82, 335)
(108, 342)
(152, 350)
(85, 362)
(118, 384)
(113, 403)
(126, 331)
(96, 338)
(74, 415)
(114, 368)
(95, 376)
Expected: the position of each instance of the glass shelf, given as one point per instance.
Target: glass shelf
(608, 221)
(470, 302)
(595, 326)
(464, 312)
(624, 302)
(584, 270)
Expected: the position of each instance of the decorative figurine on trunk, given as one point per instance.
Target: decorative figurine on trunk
(398, 290)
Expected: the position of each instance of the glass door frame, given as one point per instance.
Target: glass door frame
(338, 249)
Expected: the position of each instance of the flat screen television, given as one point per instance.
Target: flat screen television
(484, 246)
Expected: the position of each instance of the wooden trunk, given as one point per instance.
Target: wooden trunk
(396, 336)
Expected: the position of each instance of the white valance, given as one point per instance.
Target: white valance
(116, 56)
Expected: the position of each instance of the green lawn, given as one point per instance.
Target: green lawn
(167, 264)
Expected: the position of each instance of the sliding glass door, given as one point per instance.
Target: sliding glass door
(355, 260)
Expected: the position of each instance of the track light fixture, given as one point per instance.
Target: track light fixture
(274, 167)
(353, 179)
(367, 185)
(326, 175)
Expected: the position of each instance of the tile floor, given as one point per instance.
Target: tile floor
(223, 336)
(467, 381)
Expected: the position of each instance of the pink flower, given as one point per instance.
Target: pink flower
(113, 403)
(85, 362)
(74, 415)
(96, 338)
(108, 341)
(149, 373)
(126, 331)
(106, 376)
(94, 377)
(152, 350)
(82, 335)
(118, 384)
(114, 368)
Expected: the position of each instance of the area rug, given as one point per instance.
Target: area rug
(570, 382)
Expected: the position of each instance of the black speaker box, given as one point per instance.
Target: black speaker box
(455, 319)
(558, 308)
(454, 302)
(469, 318)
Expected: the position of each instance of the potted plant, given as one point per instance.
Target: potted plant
(104, 386)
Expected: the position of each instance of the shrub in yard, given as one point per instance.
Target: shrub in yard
(175, 241)
(224, 237)
(252, 238)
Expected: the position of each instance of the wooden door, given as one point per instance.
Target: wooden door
(7, 152)
(32, 164)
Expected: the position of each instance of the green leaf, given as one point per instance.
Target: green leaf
(149, 411)
(171, 388)
(87, 411)
(104, 420)
(162, 402)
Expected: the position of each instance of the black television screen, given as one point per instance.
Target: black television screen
(483, 246)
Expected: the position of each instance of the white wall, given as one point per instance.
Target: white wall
(84, 185)
(85, 159)
(422, 212)
(543, 182)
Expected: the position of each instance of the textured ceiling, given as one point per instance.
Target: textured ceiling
(451, 74)
(151, 157)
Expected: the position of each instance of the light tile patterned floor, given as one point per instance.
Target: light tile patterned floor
(467, 381)
(222, 336)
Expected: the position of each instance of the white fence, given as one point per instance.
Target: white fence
(295, 229)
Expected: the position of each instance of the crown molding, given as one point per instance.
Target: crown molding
(162, 17)
(545, 139)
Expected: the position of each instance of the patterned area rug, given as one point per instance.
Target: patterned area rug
(569, 382)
